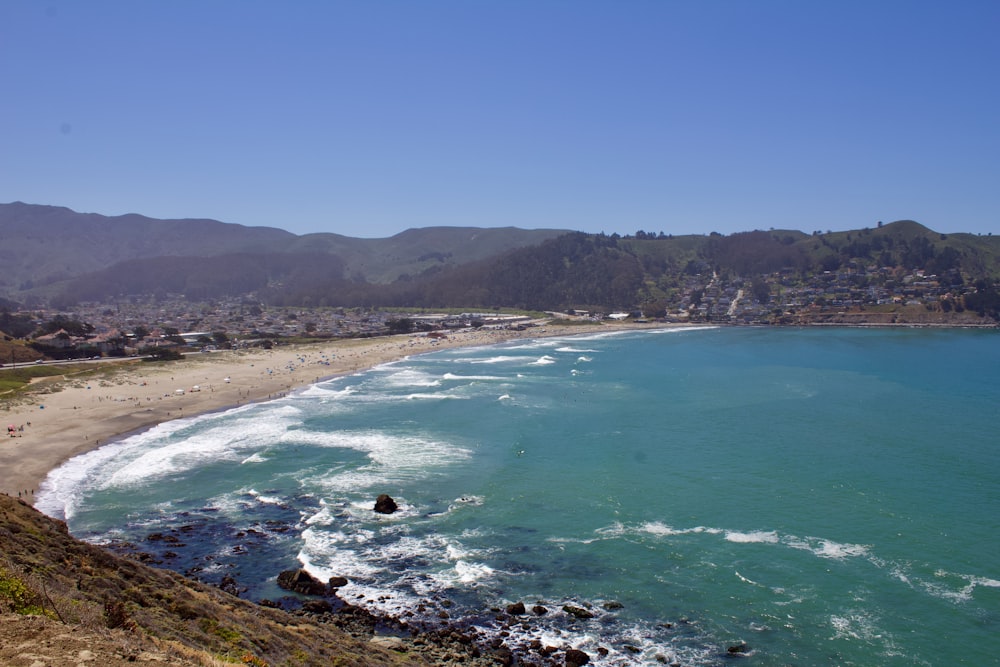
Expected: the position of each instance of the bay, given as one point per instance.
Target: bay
(821, 496)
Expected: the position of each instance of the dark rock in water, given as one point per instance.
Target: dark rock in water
(738, 648)
(579, 612)
(612, 604)
(302, 582)
(270, 604)
(576, 658)
(384, 504)
(503, 656)
(539, 610)
(516, 609)
(317, 607)
(337, 582)
(229, 585)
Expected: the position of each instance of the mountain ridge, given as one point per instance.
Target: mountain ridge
(47, 244)
(752, 277)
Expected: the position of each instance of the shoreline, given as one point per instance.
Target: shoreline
(68, 416)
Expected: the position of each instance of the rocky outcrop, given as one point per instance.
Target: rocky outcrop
(516, 609)
(96, 607)
(300, 581)
(384, 504)
(579, 612)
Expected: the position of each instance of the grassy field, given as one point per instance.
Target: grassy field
(15, 381)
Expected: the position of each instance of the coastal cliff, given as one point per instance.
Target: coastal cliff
(63, 601)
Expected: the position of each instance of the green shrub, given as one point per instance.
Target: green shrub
(18, 597)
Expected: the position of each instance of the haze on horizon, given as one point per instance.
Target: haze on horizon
(366, 119)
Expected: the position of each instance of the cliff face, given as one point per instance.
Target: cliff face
(63, 601)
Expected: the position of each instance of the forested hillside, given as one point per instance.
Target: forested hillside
(660, 273)
(64, 258)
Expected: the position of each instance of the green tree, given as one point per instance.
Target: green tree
(400, 325)
(160, 353)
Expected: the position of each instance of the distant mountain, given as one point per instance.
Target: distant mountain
(56, 256)
(47, 249)
(45, 244)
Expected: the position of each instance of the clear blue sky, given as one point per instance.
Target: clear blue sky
(367, 118)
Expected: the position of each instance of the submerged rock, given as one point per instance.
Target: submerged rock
(516, 609)
(384, 504)
(579, 612)
(576, 658)
(317, 607)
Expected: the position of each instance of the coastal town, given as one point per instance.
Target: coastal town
(855, 295)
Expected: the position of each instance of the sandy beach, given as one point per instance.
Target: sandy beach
(69, 416)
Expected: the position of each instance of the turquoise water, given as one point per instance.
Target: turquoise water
(827, 496)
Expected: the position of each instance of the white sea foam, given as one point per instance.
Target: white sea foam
(543, 361)
(327, 554)
(756, 536)
(856, 625)
(583, 359)
(660, 529)
(677, 330)
(949, 586)
(470, 501)
(61, 491)
(534, 344)
(470, 573)
(500, 359)
(412, 378)
(745, 580)
(818, 546)
(436, 397)
(469, 378)
(575, 350)
(266, 500)
(138, 458)
(324, 390)
(231, 440)
(827, 548)
(392, 459)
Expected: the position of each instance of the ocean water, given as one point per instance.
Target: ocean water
(825, 496)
